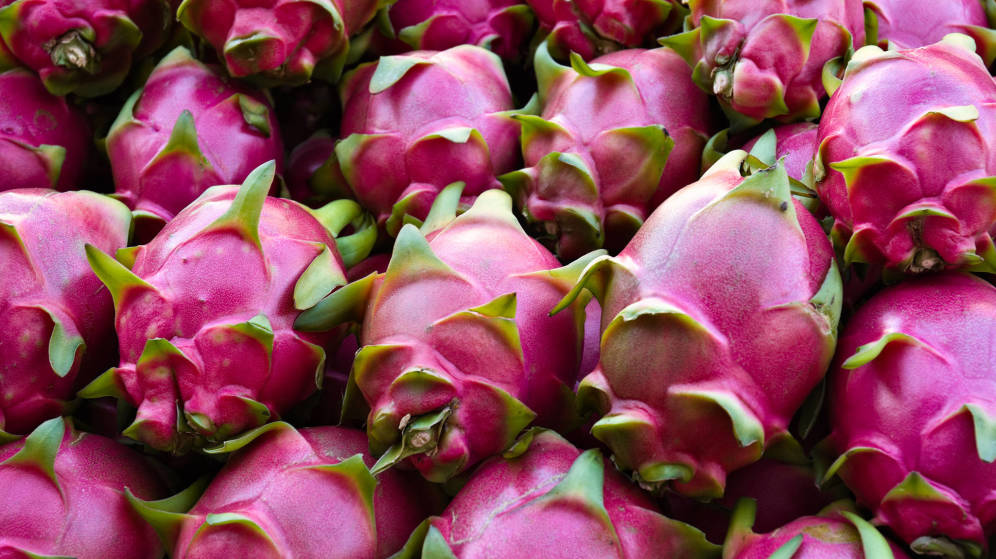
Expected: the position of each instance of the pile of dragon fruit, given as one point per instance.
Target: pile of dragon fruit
(475, 279)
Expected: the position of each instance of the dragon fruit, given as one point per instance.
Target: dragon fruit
(188, 129)
(279, 42)
(793, 144)
(312, 176)
(913, 411)
(86, 48)
(502, 26)
(63, 494)
(404, 115)
(204, 357)
(290, 493)
(545, 498)
(616, 138)
(458, 351)
(835, 532)
(766, 61)
(56, 324)
(893, 201)
(44, 141)
(906, 25)
(718, 319)
(592, 28)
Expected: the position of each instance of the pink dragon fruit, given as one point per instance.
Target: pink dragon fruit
(502, 26)
(279, 42)
(414, 123)
(44, 141)
(835, 533)
(615, 139)
(188, 129)
(718, 319)
(793, 144)
(205, 357)
(765, 59)
(290, 493)
(906, 25)
(894, 201)
(63, 494)
(312, 175)
(458, 351)
(592, 28)
(545, 498)
(86, 48)
(55, 323)
(913, 411)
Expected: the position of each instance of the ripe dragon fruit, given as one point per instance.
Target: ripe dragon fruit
(405, 114)
(906, 25)
(545, 498)
(835, 532)
(205, 358)
(717, 320)
(616, 138)
(279, 42)
(592, 28)
(63, 494)
(502, 26)
(290, 493)
(766, 61)
(44, 141)
(188, 129)
(55, 323)
(437, 402)
(312, 176)
(793, 144)
(894, 202)
(86, 48)
(926, 466)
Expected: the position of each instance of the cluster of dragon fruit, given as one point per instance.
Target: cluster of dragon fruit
(475, 279)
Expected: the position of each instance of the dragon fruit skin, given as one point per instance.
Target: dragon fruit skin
(437, 402)
(765, 60)
(794, 144)
(895, 203)
(204, 358)
(907, 25)
(188, 129)
(615, 138)
(86, 48)
(56, 325)
(298, 493)
(718, 319)
(64, 495)
(406, 113)
(925, 467)
(279, 42)
(545, 498)
(834, 532)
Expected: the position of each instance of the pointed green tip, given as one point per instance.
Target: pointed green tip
(247, 207)
(118, 278)
(40, 449)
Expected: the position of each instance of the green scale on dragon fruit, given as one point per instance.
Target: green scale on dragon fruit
(438, 402)
(718, 319)
(616, 137)
(765, 59)
(56, 322)
(204, 312)
(907, 171)
(913, 410)
(86, 48)
(287, 493)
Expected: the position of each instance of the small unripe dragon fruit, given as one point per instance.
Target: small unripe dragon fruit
(766, 61)
(55, 323)
(718, 319)
(188, 129)
(458, 351)
(64, 495)
(906, 170)
(85, 48)
(616, 137)
(297, 493)
(205, 313)
(545, 498)
(279, 42)
(913, 411)
(906, 24)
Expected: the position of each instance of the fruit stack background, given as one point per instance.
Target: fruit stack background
(468, 279)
